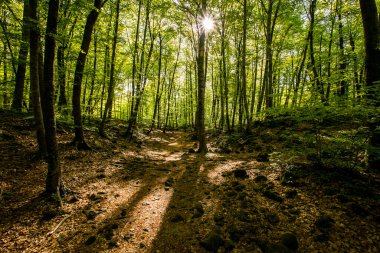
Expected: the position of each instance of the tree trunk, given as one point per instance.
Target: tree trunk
(318, 83)
(90, 98)
(22, 56)
(371, 27)
(111, 86)
(342, 89)
(157, 100)
(79, 140)
(357, 86)
(62, 100)
(201, 86)
(53, 178)
(138, 86)
(34, 78)
(171, 84)
(134, 58)
(243, 69)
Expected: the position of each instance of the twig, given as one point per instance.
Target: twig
(59, 224)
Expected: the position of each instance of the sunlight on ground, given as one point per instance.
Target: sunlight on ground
(118, 195)
(215, 175)
(145, 222)
(166, 156)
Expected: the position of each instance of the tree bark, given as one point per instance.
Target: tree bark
(342, 89)
(243, 69)
(53, 178)
(34, 77)
(157, 96)
(22, 57)
(318, 83)
(201, 86)
(111, 86)
(79, 140)
(138, 87)
(371, 27)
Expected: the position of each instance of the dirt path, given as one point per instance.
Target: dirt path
(157, 196)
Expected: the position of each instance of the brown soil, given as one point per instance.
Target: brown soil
(156, 196)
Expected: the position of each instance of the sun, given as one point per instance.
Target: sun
(208, 24)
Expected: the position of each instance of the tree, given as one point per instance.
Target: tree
(201, 85)
(371, 27)
(18, 93)
(34, 77)
(53, 178)
(111, 86)
(92, 17)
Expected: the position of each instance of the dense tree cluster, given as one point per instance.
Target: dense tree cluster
(153, 63)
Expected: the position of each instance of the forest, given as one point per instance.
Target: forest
(189, 126)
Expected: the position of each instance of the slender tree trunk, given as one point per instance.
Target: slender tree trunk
(254, 83)
(157, 100)
(357, 86)
(318, 83)
(105, 75)
(79, 140)
(299, 72)
(62, 100)
(222, 120)
(225, 78)
(134, 57)
(5, 78)
(243, 69)
(18, 94)
(8, 42)
(329, 58)
(34, 77)
(53, 178)
(140, 81)
(342, 89)
(201, 86)
(93, 78)
(111, 86)
(171, 84)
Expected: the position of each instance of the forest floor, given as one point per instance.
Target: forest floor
(157, 195)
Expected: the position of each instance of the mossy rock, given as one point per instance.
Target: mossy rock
(177, 218)
(90, 214)
(49, 214)
(263, 157)
(238, 186)
(219, 220)
(359, 210)
(113, 243)
(272, 195)
(289, 178)
(342, 198)
(272, 218)
(267, 247)
(212, 242)
(243, 216)
(324, 223)
(291, 194)
(235, 233)
(198, 210)
(290, 241)
(90, 240)
(169, 182)
(240, 174)
(322, 237)
(261, 178)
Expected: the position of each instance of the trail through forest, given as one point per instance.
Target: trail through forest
(158, 195)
